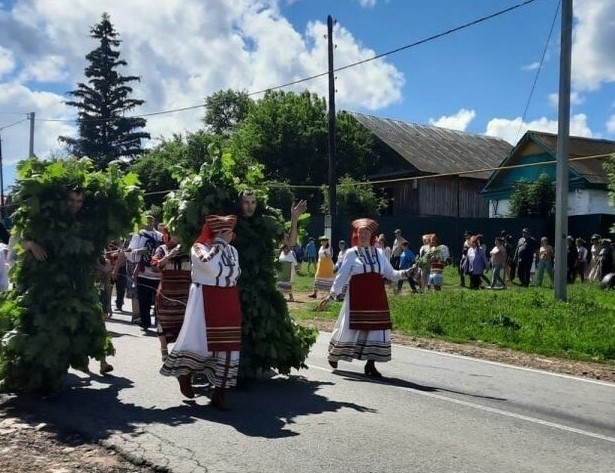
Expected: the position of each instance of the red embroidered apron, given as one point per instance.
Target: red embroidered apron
(369, 305)
(222, 318)
(171, 299)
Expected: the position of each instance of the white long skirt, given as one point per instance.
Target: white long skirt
(190, 353)
(347, 344)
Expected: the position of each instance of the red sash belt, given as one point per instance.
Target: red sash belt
(369, 306)
(222, 318)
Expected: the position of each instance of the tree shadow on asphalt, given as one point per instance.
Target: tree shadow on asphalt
(402, 383)
(267, 409)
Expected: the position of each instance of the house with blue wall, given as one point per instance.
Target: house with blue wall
(536, 153)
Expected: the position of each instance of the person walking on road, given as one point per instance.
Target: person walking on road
(363, 327)
(210, 338)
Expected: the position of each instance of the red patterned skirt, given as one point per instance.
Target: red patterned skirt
(369, 305)
(171, 299)
(222, 318)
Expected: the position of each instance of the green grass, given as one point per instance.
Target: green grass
(524, 319)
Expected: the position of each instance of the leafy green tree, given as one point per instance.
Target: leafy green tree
(271, 339)
(52, 319)
(355, 201)
(533, 199)
(225, 110)
(105, 133)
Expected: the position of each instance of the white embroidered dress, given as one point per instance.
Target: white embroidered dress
(218, 266)
(348, 344)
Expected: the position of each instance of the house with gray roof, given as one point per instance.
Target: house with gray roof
(432, 171)
(587, 178)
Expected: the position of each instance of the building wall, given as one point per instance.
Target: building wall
(580, 202)
(445, 196)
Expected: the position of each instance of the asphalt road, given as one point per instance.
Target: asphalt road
(432, 413)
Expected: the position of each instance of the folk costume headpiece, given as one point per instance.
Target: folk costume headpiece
(215, 224)
(359, 223)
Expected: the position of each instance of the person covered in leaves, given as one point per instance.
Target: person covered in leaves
(210, 337)
(363, 327)
(271, 339)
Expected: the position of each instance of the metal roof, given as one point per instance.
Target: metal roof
(590, 169)
(436, 150)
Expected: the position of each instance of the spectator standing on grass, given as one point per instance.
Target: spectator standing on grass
(546, 253)
(423, 262)
(406, 261)
(397, 249)
(606, 257)
(381, 243)
(324, 271)
(476, 263)
(310, 255)
(594, 264)
(510, 267)
(481, 243)
(438, 255)
(464, 255)
(498, 260)
(581, 259)
(527, 247)
(571, 260)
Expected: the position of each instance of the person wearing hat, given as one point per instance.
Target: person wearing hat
(324, 269)
(397, 249)
(363, 327)
(594, 263)
(210, 337)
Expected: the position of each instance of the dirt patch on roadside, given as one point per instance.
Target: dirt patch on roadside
(604, 372)
(30, 446)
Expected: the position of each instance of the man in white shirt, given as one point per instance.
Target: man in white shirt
(140, 251)
(397, 249)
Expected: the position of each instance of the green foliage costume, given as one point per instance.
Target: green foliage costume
(271, 339)
(52, 319)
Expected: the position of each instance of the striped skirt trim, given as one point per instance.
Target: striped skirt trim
(323, 284)
(285, 287)
(220, 370)
(361, 350)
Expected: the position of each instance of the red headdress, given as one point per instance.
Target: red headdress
(368, 223)
(215, 224)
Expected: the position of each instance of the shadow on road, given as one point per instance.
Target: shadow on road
(267, 409)
(402, 383)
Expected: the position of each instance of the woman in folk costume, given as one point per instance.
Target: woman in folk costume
(210, 338)
(172, 293)
(363, 328)
(324, 270)
(286, 275)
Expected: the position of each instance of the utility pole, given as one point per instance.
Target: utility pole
(563, 138)
(31, 149)
(331, 141)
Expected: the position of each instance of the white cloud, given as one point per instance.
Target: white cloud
(459, 121)
(575, 99)
(183, 52)
(513, 130)
(7, 62)
(367, 3)
(610, 125)
(593, 52)
(531, 67)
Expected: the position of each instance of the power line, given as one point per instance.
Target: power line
(322, 74)
(12, 124)
(405, 179)
(542, 58)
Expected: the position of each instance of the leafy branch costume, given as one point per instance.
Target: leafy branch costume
(52, 319)
(271, 339)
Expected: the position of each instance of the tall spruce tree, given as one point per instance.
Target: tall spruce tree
(105, 134)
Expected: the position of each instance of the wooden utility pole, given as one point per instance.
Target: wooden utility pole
(331, 140)
(563, 138)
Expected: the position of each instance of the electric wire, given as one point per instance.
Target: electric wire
(322, 74)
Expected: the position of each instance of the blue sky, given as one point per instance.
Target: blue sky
(477, 80)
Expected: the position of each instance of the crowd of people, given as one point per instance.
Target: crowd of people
(524, 261)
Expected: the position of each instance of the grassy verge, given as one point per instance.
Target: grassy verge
(528, 320)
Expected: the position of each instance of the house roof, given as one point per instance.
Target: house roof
(435, 150)
(590, 169)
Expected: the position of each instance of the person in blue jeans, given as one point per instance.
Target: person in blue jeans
(406, 260)
(311, 254)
